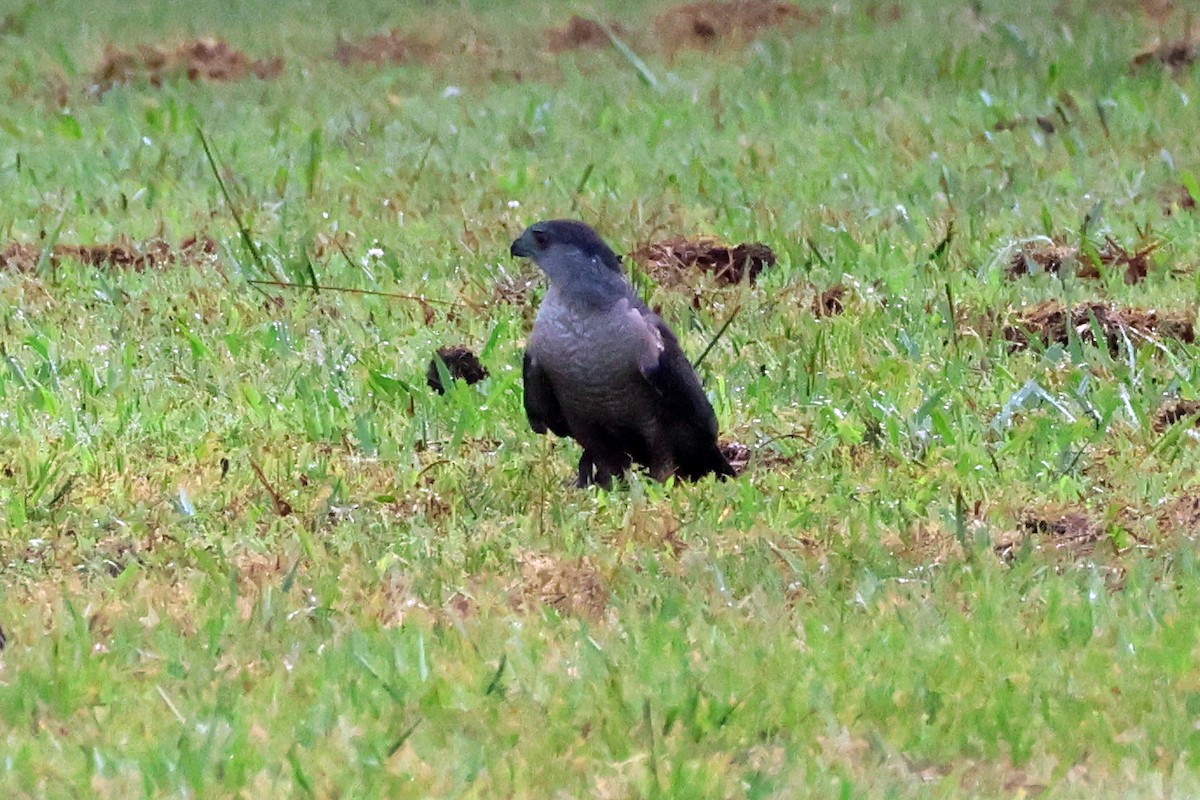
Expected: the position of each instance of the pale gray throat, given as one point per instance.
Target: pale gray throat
(594, 287)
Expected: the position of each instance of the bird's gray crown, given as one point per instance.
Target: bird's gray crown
(540, 237)
(584, 270)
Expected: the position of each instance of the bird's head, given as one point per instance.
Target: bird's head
(570, 253)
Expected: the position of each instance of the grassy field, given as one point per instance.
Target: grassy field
(247, 552)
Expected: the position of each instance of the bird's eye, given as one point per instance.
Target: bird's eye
(541, 240)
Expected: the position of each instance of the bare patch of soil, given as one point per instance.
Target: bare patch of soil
(1053, 323)
(1055, 258)
(1181, 516)
(1072, 533)
(255, 572)
(208, 59)
(1178, 197)
(462, 364)
(1177, 55)
(393, 47)
(16, 23)
(885, 12)
(579, 34)
(569, 587)
(1177, 411)
(1159, 11)
(124, 253)
(710, 23)
(668, 260)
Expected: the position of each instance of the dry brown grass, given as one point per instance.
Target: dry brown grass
(1053, 323)
(1057, 258)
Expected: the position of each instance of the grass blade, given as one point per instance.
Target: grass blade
(237, 217)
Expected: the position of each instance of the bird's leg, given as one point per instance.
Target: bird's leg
(587, 468)
(662, 468)
(608, 466)
(603, 478)
(596, 470)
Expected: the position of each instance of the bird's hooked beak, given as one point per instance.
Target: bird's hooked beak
(522, 247)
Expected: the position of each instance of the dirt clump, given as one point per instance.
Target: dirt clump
(1044, 123)
(1044, 255)
(462, 364)
(124, 253)
(207, 59)
(569, 587)
(737, 454)
(830, 302)
(1041, 256)
(1053, 323)
(764, 458)
(668, 260)
(580, 33)
(709, 23)
(393, 47)
(1177, 411)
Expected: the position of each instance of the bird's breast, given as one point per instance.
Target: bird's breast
(594, 357)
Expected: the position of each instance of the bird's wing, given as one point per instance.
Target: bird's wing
(689, 422)
(541, 404)
(671, 375)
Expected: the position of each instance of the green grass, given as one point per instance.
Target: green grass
(861, 614)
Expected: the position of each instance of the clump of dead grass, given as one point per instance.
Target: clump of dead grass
(1176, 411)
(1053, 323)
(1057, 258)
(670, 261)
